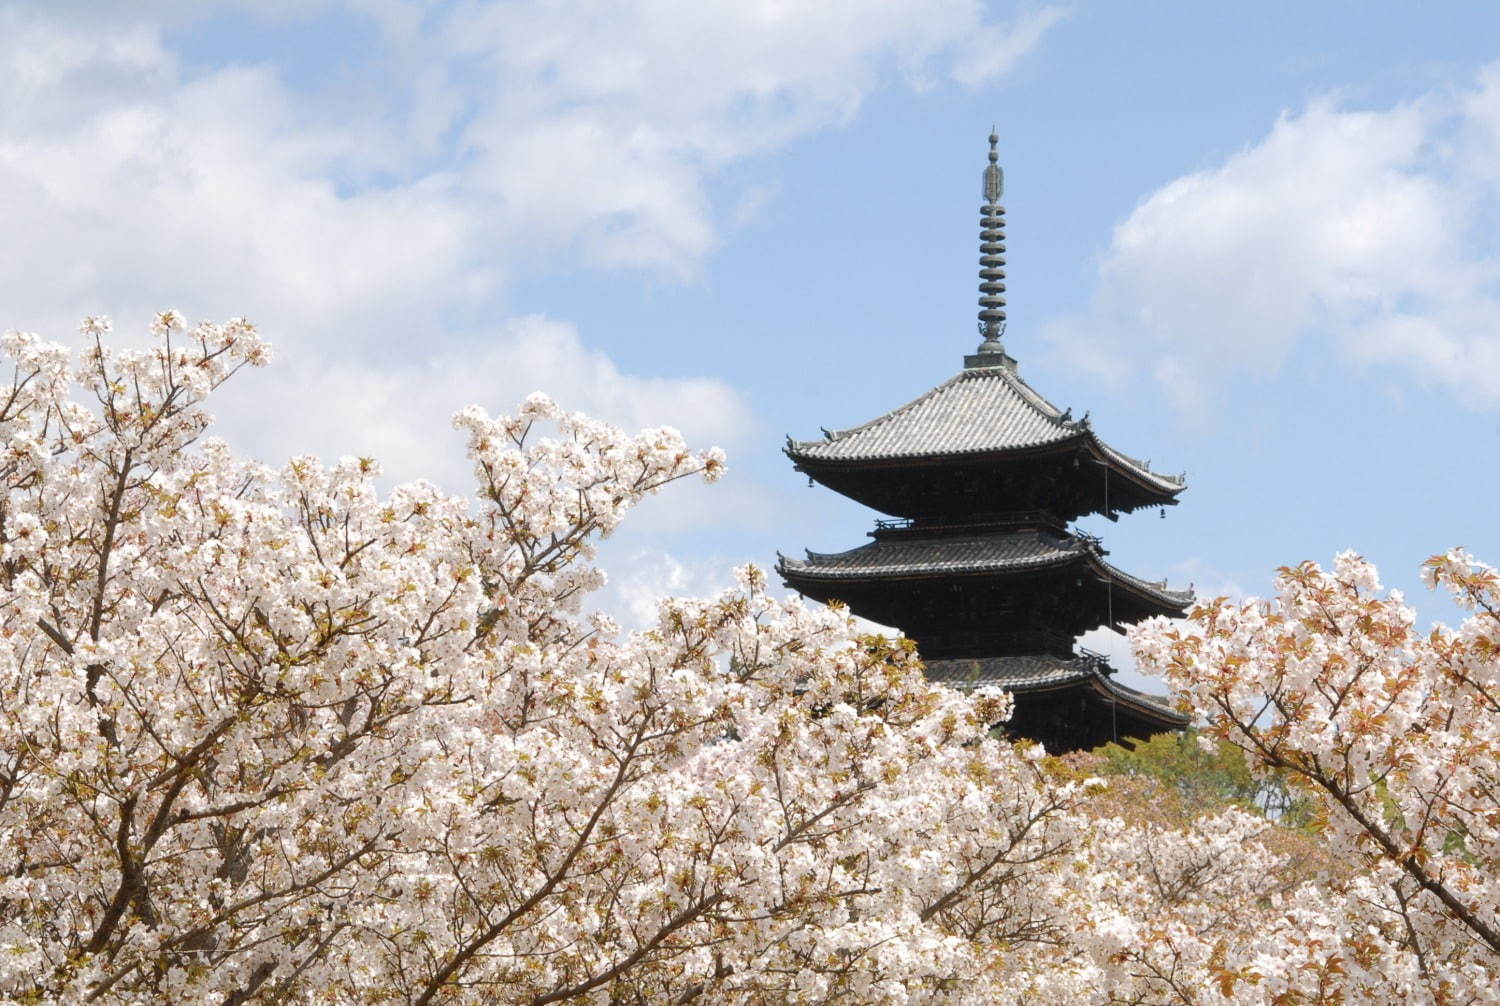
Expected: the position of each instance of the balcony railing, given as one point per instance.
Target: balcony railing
(1015, 518)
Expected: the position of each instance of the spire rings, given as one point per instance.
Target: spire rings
(991, 259)
(992, 269)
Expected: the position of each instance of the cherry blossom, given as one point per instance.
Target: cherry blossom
(1396, 734)
(278, 735)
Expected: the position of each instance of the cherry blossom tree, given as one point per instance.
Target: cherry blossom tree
(1395, 734)
(274, 736)
(279, 736)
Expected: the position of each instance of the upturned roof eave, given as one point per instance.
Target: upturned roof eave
(1152, 707)
(1177, 600)
(1060, 445)
(1141, 703)
(1122, 463)
(806, 459)
(1104, 573)
(807, 569)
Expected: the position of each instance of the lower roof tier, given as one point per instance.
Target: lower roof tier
(1064, 703)
(990, 594)
(977, 561)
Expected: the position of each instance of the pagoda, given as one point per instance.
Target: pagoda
(982, 477)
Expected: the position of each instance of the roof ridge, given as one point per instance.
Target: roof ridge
(1033, 397)
(1028, 396)
(837, 435)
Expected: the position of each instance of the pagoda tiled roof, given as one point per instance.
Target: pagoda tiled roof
(1029, 674)
(982, 410)
(942, 555)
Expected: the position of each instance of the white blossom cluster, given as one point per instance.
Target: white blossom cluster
(276, 737)
(1396, 736)
(270, 736)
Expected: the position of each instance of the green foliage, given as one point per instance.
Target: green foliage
(1206, 774)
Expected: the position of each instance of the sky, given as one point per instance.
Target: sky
(1257, 243)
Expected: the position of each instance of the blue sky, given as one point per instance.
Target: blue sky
(1256, 242)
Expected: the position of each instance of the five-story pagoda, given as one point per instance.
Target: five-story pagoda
(983, 476)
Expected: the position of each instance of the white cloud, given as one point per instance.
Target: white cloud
(1112, 645)
(213, 195)
(1356, 225)
(490, 133)
(399, 411)
(992, 50)
(639, 579)
(605, 121)
(354, 230)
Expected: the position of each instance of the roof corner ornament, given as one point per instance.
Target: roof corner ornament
(991, 352)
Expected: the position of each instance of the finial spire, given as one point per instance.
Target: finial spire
(992, 258)
(994, 179)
